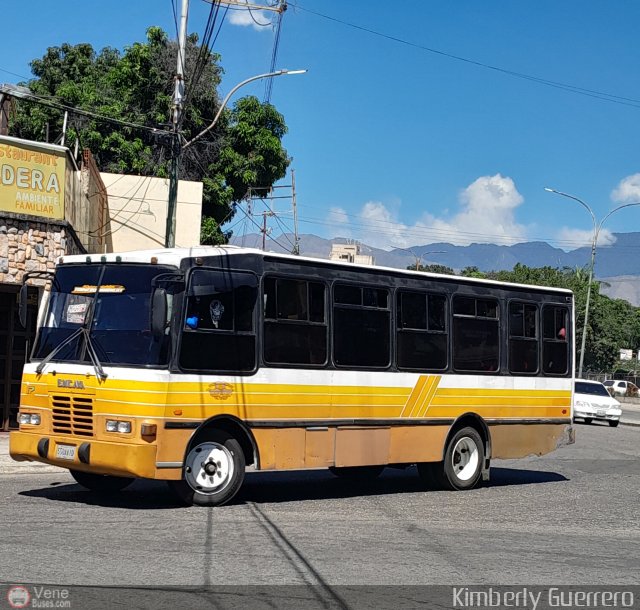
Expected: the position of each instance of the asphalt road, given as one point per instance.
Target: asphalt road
(570, 517)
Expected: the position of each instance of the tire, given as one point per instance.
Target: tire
(213, 470)
(100, 482)
(588, 420)
(357, 473)
(462, 465)
(614, 423)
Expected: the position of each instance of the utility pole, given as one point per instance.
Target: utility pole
(178, 107)
(5, 103)
(264, 230)
(296, 238)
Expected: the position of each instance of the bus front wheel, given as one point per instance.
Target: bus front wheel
(213, 470)
(462, 465)
(100, 482)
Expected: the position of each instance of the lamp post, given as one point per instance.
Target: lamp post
(597, 226)
(419, 257)
(170, 234)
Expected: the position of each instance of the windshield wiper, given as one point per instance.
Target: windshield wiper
(91, 350)
(86, 333)
(57, 349)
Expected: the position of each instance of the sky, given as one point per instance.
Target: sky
(419, 121)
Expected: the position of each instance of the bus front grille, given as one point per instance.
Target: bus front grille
(72, 415)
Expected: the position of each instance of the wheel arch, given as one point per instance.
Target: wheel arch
(473, 420)
(238, 429)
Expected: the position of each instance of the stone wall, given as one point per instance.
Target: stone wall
(29, 244)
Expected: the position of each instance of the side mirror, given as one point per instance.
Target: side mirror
(22, 306)
(158, 311)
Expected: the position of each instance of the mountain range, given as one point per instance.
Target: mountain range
(617, 265)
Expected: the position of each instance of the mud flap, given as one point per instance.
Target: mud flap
(568, 437)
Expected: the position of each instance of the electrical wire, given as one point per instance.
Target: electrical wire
(206, 48)
(275, 241)
(268, 86)
(14, 73)
(258, 23)
(44, 101)
(602, 95)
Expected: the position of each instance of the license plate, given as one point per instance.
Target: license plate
(65, 452)
(601, 412)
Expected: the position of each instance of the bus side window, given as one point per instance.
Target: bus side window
(555, 343)
(476, 334)
(523, 338)
(218, 333)
(361, 326)
(295, 328)
(421, 331)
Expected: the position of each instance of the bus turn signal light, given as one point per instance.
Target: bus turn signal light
(148, 429)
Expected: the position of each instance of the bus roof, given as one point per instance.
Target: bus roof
(174, 256)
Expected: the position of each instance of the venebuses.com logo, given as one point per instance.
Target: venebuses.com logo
(19, 596)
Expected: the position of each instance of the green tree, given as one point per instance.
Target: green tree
(244, 149)
(613, 323)
(473, 272)
(433, 268)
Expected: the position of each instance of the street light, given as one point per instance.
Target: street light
(421, 256)
(170, 234)
(228, 97)
(597, 226)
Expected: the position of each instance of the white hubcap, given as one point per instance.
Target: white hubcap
(209, 467)
(465, 458)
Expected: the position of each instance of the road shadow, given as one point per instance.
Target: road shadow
(275, 487)
(501, 477)
(141, 495)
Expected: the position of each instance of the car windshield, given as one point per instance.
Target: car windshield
(595, 389)
(113, 302)
(608, 383)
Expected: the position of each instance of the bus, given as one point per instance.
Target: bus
(191, 365)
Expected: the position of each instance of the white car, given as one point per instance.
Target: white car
(592, 401)
(621, 387)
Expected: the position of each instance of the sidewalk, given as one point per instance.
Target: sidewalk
(10, 466)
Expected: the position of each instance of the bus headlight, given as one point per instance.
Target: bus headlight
(31, 419)
(115, 425)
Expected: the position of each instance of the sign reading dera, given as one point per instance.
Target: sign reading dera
(32, 178)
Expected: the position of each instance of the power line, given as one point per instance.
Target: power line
(381, 227)
(37, 99)
(14, 73)
(602, 95)
(268, 88)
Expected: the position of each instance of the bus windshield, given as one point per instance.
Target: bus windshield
(113, 302)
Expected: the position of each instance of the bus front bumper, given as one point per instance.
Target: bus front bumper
(100, 457)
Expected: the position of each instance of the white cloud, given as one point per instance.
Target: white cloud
(487, 216)
(339, 220)
(628, 190)
(570, 239)
(249, 17)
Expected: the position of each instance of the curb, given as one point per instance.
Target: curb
(633, 424)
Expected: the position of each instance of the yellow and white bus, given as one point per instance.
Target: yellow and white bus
(188, 365)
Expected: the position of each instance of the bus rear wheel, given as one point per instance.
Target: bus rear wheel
(462, 465)
(213, 470)
(100, 482)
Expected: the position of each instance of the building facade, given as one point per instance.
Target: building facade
(52, 204)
